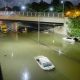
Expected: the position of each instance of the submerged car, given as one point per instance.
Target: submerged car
(44, 63)
(69, 39)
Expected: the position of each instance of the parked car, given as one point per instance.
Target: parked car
(44, 63)
(69, 39)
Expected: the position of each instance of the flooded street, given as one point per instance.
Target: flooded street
(17, 52)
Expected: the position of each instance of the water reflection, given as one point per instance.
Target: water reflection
(25, 75)
(12, 54)
(60, 52)
(20, 63)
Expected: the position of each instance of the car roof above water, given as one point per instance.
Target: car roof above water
(43, 59)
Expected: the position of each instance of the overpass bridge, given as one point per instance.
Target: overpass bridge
(33, 16)
(40, 17)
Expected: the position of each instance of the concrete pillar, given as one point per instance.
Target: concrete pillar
(62, 29)
(48, 14)
(15, 26)
(65, 27)
(27, 13)
(31, 14)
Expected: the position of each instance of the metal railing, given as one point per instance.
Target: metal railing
(32, 14)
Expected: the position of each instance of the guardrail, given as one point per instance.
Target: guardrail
(32, 14)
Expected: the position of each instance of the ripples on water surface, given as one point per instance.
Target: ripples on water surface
(17, 52)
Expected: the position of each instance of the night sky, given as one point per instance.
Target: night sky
(18, 2)
(12, 3)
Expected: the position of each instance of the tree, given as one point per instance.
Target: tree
(74, 26)
(58, 8)
(78, 6)
(43, 6)
(16, 8)
(57, 5)
(39, 7)
(68, 5)
(6, 8)
(55, 2)
(32, 7)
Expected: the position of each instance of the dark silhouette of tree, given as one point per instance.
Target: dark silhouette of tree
(56, 5)
(16, 8)
(78, 6)
(32, 7)
(55, 2)
(6, 9)
(68, 5)
(43, 6)
(39, 7)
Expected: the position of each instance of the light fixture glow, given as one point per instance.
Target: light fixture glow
(23, 8)
(25, 76)
(51, 9)
(62, 2)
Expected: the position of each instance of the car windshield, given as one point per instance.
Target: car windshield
(47, 64)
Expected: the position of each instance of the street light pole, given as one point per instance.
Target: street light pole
(38, 28)
(51, 9)
(62, 2)
(65, 26)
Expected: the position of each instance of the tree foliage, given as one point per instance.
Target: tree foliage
(68, 5)
(6, 8)
(39, 7)
(43, 6)
(16, 8)
(78, 6)
(74, 26)
(58, 8)
(55, 2)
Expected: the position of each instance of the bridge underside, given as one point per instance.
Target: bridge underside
(39, 19)
(32, 22)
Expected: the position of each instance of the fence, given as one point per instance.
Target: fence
(32, 14)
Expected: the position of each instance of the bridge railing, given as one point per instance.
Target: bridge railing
(31, 14)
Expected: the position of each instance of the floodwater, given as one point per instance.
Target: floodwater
(17, 52)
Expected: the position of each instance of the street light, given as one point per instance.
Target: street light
(51, 9)
(62, 2)
(23, 8)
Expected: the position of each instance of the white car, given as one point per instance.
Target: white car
(44, 63)
(45, 31)
(68, 39)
